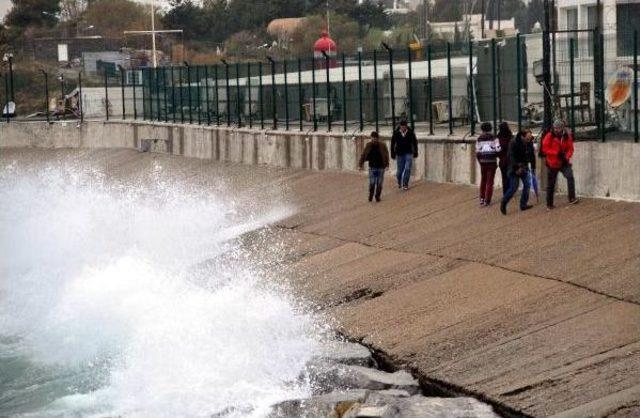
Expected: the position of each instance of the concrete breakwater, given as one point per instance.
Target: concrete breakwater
(601, 169)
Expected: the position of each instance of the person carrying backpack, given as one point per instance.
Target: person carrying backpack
(557, 148)
(487, 149)
(377, 154)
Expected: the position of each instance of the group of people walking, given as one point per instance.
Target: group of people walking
(514, 156)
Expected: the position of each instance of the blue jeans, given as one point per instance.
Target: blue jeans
(376, 179)
(513, 188)
(404, 169)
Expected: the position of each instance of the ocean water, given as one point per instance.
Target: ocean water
(133, 298)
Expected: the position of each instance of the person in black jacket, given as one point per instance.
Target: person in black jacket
(521, 156)
(404, 148)
(377, 154)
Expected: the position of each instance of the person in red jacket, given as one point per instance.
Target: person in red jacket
(557, 148)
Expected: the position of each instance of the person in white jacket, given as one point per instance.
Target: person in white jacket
(487, 149)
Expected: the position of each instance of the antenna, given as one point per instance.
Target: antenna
(328, 21)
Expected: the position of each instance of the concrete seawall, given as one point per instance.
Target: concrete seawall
(607, 170)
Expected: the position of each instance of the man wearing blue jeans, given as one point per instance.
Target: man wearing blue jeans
(404, 148)
(377, 154)
(521, 156)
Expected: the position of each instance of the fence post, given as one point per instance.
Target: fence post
(122, 91)
(635, 86)
(180, 74)
(494, 85)
(602, 100)
(328, 87)
(6, 96)
(286, 95)
(300, 99)
(344, 95)
(238, 104)
(472, 115)
(135, 99)
(217, 95)
(173, 95)
(499, 81)
(572, 121)
(391, 86)
(250, 116)
(430, 92)
(189, 93)
(360, 90)
(375, 89)
(449, 95)
(273, 92)
(228, 96)
(106, 95)
(409, 62)
(46, 94)
(206, 93)
(519, 80)
(260, 95)
(546, 74)
(313, 92)
(164, 94)
(157, 78)
(198, 95)
(80, 97)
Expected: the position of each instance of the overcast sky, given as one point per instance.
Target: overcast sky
(5, 5)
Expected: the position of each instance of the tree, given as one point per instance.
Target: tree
(344, 30)
(112, 17)
(71, 10)
(528, 16)
(32, 13)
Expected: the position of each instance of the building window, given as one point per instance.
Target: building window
(592, 23)
(628, 21)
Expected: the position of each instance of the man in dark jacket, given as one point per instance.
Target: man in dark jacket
(404, 148)
(377, 154)
(521, 157)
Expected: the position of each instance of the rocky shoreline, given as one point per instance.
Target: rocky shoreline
(348, 382)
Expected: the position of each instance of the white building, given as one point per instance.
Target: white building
(619, 20)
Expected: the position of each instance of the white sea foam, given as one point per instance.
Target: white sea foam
(98, 301)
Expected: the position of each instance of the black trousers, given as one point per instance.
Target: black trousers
(552, 177)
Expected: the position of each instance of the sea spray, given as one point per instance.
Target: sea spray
(112, 301)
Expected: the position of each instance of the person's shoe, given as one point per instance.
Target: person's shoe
(378, 198)
(550, 207)
(481, 202)
(574, 201)
(399, 186)
(503, 208)
(527, 207)
(405, 187)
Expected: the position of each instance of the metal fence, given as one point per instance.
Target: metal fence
(444, 89)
